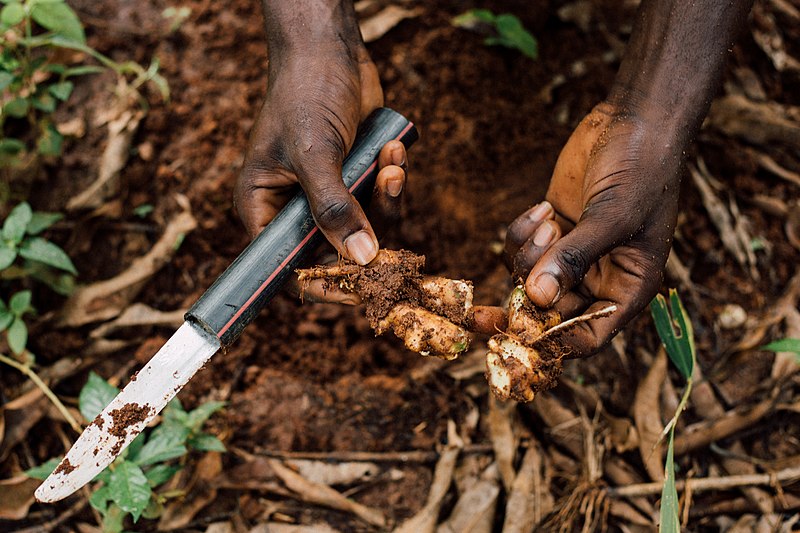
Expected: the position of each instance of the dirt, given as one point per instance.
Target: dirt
(64, 467)
(121, 419)
(492, 122)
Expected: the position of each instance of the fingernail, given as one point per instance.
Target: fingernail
(541, 211)
(544, 235)
(394, 187)
(547, 287)
(361, 247)
(398, 157)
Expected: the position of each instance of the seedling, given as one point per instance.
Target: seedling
(506, 30)
(24, 253)
(33, 83)
(784, 345)
(675, 330)
(129, 486)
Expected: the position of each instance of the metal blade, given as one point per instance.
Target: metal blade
(133, 408)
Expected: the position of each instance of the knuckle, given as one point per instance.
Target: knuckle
(574, 262)
(334, 213)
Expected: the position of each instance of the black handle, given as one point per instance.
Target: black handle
(236, 297)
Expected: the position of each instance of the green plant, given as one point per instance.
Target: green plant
(507, 30)
(784, 345)
(33, 82)
(24, 253)
(129, 486)
(677, 335)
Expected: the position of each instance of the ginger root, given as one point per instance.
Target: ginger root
(434, 315)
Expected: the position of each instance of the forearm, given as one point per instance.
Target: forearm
(674, 60)
(309, 25)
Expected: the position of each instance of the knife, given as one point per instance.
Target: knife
(220, 315)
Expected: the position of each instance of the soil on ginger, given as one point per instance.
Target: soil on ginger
(314, 377)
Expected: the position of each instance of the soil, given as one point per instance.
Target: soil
(313, 377)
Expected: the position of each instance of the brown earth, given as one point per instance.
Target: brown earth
(313, 378)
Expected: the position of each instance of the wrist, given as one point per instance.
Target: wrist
(310, 27)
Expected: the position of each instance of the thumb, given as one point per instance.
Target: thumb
(337, 213)
(566, 262)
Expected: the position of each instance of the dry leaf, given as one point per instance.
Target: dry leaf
(16, 497)
(501, 431)
(334, 473)
(106, 299)
(320, 494)
(530, 499)
(376, 26)
(199, 493)
(425, 519)
(139, 314)
(647, 416)
(475, 509)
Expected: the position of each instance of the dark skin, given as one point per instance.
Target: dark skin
(604, 232)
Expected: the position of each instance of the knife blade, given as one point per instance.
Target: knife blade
(219, 316)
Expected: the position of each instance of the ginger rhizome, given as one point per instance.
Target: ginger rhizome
(434, 316)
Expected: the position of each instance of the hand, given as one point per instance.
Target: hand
(306, 126)
(614, 193)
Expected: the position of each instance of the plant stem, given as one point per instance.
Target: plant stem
(28, 371)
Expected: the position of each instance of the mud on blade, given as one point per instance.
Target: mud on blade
(128, 414)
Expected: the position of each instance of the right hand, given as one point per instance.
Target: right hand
(305, 128)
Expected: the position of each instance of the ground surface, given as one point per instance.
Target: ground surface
(311, 378)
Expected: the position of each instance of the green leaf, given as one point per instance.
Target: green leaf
(44, 102)
(7, 256)
(470, 19)
(198, 416)
(11, 146)
(206, 443)
(44, 251)
(143, 210)
(134, 447)
(44, 469)
(113, 519)
(17, 108)
(17, 336)
(99, 499)
(12, 14)
(104, 476)
(6, 318)
(5, 79)
(670, 523)
(84, 69)
(162, 473)
(59, 18)
(40, 221)
(154, 508)
(129, 489)
(60, 282)
(94, 396)
(20, 303)
(783, 345)
(166, 442)
(675, 330)
(16, 222)
(61, 90)
(50, 141)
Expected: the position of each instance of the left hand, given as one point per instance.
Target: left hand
(614, 191)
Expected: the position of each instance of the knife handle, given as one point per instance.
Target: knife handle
(236, 297)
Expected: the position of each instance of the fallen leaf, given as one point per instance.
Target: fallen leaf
(376, 26)
(647, 416)
(501, 431)
(199, 493)
(530, 499)
(16, 497)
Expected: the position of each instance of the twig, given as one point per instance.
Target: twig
(411, 456)
(602, 313)
(44, 388)
(708, 483)
(50, 525)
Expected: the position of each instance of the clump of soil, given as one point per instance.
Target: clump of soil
(65, 467)
(129, 415)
